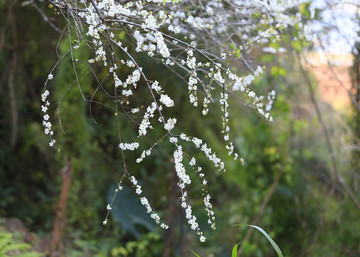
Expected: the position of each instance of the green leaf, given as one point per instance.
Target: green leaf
(304, 10)
(275, 45)
(193, 252)
(274, 245)
(237, 53)
(234, 250)
(232, 46)
(267, 58)
(278, 71)
(296, 45)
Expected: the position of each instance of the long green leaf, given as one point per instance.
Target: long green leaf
(274, 245)
(234, 250)
(193, 252)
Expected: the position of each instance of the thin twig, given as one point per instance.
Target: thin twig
(46, 19)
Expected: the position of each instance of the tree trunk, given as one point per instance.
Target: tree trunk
(60, 221)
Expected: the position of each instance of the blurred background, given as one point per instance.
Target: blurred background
(300, 182)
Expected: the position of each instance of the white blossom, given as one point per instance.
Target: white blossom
(166, 100)
(170, 124)
(129, 146)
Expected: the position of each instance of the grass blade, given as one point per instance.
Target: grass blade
(234, 250)
(274, 245)
(193, 252)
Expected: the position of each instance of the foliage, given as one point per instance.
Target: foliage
(234, 252)
(10, 247)
(147, 245)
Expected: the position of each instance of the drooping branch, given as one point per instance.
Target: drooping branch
(205, 51)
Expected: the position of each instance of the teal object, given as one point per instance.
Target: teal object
(128, 211)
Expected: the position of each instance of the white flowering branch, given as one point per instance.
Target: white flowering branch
(202, 42)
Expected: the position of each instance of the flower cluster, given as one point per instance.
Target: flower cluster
(145, 123)
(210, 212)
(217, 162)
(207, 204)
(192, 82)
(129, 146)
(144, 201)
(184, 179)
(169, 125)
(44, 108)
(144, 154)
(108, 206)
(166, 100)
(225, 122)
